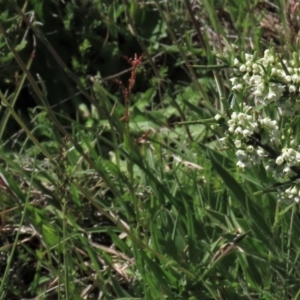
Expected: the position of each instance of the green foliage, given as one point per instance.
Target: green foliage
(115, 183)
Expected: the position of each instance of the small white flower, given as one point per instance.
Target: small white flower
(294, 191)
(258, 93)
(288, 78)
(295, 78)
(246, 132)
(248, 63)
(253, 126)
(236, 62)
(238, 130)
(238, 87)
(255, 79)
(246, 108)
(287, 191)
(231, 129)
(242, 68)
(297, 157)
(292, 89)
(273, 71)
(271, 95)
(246, 77)
(291, 152)
(260, 153)
(281, 73)
(248, 56)
(218, 117)
(260, 87)
(241, 117)
(248, 118)
(234, 116)
(279, 160)
(285, 156)
(241, 164)
(238, 143)
(234, 80)
(231, 123)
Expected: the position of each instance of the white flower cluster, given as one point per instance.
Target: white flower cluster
(255, 133)
(268, 79)
(291, 194)
(242, 126)
(290, 156)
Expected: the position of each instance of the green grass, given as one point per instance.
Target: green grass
(126, 192)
